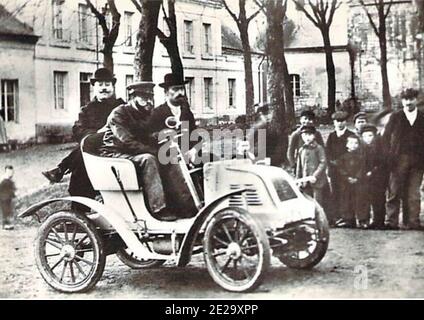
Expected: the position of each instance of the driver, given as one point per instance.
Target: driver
(127, 136)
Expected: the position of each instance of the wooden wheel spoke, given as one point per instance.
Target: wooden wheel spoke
(226, 265)
(235, 264)
(80, 241)
(71, 268)
(236, 230)
(52, 255)
(84, 250)
(56, 264)
(227, 233)
(84, 260)
(65, 231)
(74, 233)
(58, 236)
(80, 268)
(54, 243)
(220, 240)
(220, 253)
(63, 271)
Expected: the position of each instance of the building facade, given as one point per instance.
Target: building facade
(68, 52)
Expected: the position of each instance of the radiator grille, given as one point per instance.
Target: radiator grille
(250, 196)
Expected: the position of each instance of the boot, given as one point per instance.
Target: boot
(54, 175)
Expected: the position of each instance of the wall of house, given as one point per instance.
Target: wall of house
(18, 64)
(313, 77)
(405, 54)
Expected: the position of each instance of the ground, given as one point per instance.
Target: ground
(358, 264)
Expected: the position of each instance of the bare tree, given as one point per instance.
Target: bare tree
(383, 9)
(109, 34)
(171, 42)
(420, 7)
(146, 37)
(321, 14)
(243, 20)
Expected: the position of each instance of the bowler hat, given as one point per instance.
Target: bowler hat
(307, 129)
(103, 74)
(340, 115)
(170, 80)
(368, 127)
(140, 87)
(359, 115)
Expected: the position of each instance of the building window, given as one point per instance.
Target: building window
(129, 78)
(188, 36)
(295, 84)
(59, 89)
(190, 90)
(207, 38)
(84, 23)
(85, 88)
(231, 93)
(208, 94)
(58, 19)
(9, 100)
(128, 29)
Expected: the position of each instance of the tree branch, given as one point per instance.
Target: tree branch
(100, 17)
(388, 9)
(334, 6)
(377, 32)
(301, 7)
(261, 6)
(254, 15)
(232, 14)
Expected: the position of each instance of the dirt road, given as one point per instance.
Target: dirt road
(359, 264)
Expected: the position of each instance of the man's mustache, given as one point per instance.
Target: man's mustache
(104, 91)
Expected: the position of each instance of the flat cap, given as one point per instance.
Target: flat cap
(368, 128)
(308, 113)
(141, 87)
(307, 129)
(340, 116)
(359, 115)
(409, 94)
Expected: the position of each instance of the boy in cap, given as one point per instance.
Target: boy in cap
(359, 120)
(311, 164)
(375, 177)
(307, 118)
(350, 167)
(335, 148)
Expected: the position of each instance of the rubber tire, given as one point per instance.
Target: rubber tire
(321, 247)
(95, 238)
(135, 263)
(254, 224)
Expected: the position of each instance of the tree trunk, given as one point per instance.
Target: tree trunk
(108, 60)
(248, 77)
(387, 99)
(288, 91)
(352, 59)
(331, 72)
(276, 91)
(146, 37)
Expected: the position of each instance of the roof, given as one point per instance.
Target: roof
(230, 40)
(11, 26)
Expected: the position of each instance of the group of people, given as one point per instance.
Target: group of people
(130, 131)
(356, 173)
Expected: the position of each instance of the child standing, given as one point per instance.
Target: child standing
(351, 168)
(7, 193)
(375, 177)
(311, 164)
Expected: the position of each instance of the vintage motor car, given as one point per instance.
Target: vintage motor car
(247, 212)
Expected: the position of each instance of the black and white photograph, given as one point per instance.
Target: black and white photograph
(211, 150)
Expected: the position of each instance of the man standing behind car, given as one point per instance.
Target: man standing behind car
(92, 117)
(127, 135)
(404, 142)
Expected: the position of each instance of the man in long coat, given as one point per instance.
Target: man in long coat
(92, 117)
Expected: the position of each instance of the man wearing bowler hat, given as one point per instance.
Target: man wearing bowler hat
(91, 118)
(176, 107)
(127, 135)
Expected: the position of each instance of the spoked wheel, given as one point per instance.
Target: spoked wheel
(236, 250)
(311, 253)
(128, 258)
(69, 252)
